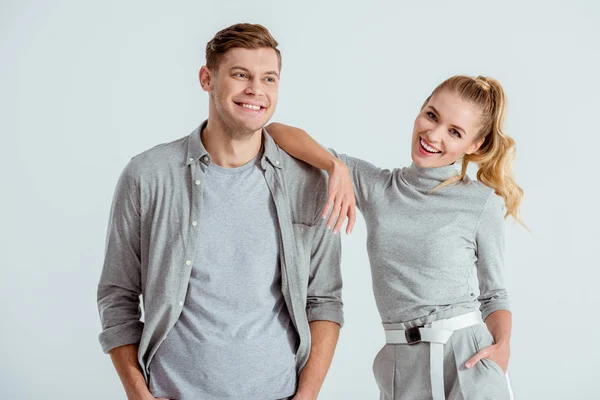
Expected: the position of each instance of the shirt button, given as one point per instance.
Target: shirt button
(188, 262)
(191, 159)
(180, 303)
(197, 182)
(194, 223)
(277, 162)
(205, 158)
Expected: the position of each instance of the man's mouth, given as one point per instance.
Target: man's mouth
(428, 148)
(249, 106)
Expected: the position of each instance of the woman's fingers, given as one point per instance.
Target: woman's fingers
(340, 203)
(341, 219)
(351, 219)
(334, 214)
(328, 205)
(484, 353)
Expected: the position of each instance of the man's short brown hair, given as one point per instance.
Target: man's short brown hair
(247, 36)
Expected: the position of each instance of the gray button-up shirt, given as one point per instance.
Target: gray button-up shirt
(153, 232)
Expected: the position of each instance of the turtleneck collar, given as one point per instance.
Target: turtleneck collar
(425, 179)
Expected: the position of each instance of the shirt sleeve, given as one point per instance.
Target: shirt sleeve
(119, 287)
(489, 238)
(368, 179)
(324, 292)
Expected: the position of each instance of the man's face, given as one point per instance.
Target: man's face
(244, 89)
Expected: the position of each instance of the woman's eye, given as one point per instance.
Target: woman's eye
(431, 115)
(455, 133)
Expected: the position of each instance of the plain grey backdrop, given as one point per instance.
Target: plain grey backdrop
(85, 85)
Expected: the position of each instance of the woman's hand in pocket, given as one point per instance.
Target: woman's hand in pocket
(498, 353)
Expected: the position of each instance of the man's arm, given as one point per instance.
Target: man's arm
(324, 307)
(324, 337)
(125, 360)
(119, 287)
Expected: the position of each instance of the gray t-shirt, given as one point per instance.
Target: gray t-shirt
(431, 252)
(234, 338)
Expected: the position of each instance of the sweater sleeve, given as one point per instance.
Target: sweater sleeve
(366, 178)
(489, 239)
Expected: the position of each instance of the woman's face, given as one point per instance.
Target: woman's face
(444, 130)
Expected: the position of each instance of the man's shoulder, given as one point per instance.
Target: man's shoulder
(306, 187)
(161, 157)
(293, 169)
(298, 171)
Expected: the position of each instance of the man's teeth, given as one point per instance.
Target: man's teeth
(429, 148)
(250, 106)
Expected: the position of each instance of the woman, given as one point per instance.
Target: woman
(433, 236)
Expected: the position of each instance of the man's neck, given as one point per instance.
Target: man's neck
(228, 150)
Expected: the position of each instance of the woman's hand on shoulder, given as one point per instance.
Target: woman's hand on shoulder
(341, 203)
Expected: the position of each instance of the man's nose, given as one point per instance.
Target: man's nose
(253, 87)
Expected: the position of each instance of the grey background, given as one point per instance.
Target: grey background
(86, 85)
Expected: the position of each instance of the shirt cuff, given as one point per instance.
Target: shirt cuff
(121, 335)
(326, 312)
(487, 309)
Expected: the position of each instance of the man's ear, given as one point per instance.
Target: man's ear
(206, 78)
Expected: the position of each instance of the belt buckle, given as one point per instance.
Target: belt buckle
(413, 335)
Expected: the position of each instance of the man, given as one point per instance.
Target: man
(220, 232)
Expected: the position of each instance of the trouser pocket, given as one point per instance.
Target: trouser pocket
(384, 368)
(484, 380)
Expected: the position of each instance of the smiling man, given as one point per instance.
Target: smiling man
(220, 233)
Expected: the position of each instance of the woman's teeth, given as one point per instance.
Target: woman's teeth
(250, 106)
(429, 148)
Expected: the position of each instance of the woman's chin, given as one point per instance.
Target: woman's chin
(420, 161)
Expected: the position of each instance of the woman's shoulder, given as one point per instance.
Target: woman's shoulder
(479, 194)
(475, 188)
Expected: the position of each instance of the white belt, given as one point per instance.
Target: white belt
(437, 334)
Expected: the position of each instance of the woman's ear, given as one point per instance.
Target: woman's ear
(475, 146)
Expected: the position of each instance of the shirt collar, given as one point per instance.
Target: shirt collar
(427, 179)
(272, 151)
(196, 150)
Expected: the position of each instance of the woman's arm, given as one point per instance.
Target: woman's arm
(495, 307)
(299, 144)
(500, 324)
(341, 201)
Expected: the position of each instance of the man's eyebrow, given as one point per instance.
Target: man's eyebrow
(239, 67)
(248, 71)
(272, 73)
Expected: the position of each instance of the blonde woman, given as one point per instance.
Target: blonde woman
(435, 243)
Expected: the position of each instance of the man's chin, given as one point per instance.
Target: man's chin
(245, 130)
(253, 127)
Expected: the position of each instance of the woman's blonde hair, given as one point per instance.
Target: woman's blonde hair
(496, 154)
